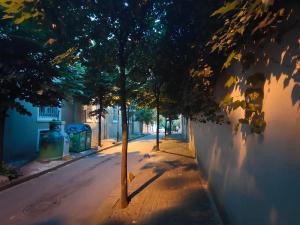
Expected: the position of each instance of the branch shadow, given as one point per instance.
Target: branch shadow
(182, 155)
(193, 208)
(146, 184)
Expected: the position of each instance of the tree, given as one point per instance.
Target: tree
(124, 23)
(26, 75)
(149, 97)
(98, 89)
(144, 115)
(32, 67)
(99, 80)
(151, 66)
(188, 79)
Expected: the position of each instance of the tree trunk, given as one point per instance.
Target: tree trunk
(166, 124)
(124, 185)
(157, 120)
(99, 131)
(2, 125)
(186, 128)
(128, 119)
(170, 126)
(104, 128)
(141, 127)
(118, 124)
(100, 126)
(132, 122)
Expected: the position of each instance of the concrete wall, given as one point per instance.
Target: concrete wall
(184, 127)
(256, 177)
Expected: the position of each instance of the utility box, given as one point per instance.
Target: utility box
(55, 143)
(80, 137)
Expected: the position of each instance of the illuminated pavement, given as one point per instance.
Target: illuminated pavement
(71, 194)
(169, 190)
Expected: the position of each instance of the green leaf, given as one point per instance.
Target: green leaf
(270, 18)
(244, 121)
(238, 103)
(227, 100)
(231, 81)
(241, 30)
(226, 8)
(16, 10)
(233, 55)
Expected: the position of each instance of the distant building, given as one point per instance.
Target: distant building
(22, 133)
(111, 124)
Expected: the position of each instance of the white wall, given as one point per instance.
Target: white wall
(256, 177)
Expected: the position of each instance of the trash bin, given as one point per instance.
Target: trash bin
(80, 137)
(55, 143)
(88, 142)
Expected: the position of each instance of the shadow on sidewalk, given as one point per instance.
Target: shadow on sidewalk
(194, 208)
(162, 166)
(182, 155)
(171, 191)
(143, 186)
(159, 169)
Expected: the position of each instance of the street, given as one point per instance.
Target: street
(70, 194)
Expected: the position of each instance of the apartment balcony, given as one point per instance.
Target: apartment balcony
(46, 114)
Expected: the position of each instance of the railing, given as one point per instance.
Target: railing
(48, 113)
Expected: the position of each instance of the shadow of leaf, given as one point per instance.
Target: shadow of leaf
(296, 94)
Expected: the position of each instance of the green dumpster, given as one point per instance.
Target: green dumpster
(80, 137)
(88, 142)
(52, 143)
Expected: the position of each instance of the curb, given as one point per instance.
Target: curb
(30, 177)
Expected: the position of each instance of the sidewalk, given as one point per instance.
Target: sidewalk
(36, 168)
(170, 190)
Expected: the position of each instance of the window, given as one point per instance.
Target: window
(49, 113)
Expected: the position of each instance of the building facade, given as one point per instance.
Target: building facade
(22, 133)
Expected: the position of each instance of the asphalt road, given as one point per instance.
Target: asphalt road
(69, 195)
